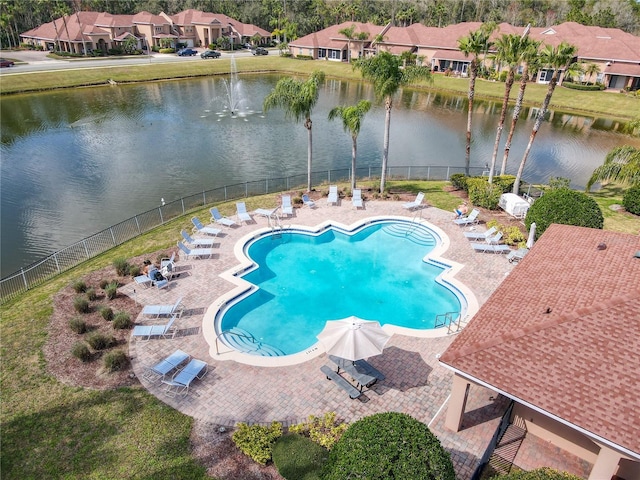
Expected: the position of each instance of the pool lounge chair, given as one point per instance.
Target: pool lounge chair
(481, 235)
(197, 242)
(163, 310)
(165, 366)
(195, 252)
(416, 203)
(307, 201)
(356, 199)
(182, 380)
(487, 247)
(470, 219)
(216, 217)
(517, 255)
(333, 195)
(494, 239)
(287, 208)
(197, 226)
(145, 332)
(241, 211)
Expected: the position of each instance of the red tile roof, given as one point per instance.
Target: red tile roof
(580, 361)
(330, 38)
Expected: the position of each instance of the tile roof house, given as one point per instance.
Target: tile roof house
(561, 338)
(102, 31)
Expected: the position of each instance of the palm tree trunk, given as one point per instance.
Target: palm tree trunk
(385, 147)
(503, 115)
(470, 95)
(516, 115)
(308, 125)
(354, 149)
(536, 127)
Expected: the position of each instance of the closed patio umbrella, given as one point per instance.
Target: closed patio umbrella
(532, 235)
(353, 338)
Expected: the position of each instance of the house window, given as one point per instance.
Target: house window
(322, 52)
(334, 54)
(158, 29)
(600, 77)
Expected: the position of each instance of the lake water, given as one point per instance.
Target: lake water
(77, 161)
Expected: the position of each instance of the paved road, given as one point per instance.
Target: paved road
(32, 61)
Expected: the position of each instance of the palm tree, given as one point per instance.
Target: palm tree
(474, 44)
(591, 69)
(557, 58)
(622, 164)
(298, 99)
(361, 37)
(384, 71)
(348, 32)
(530, 61)
(352, 117)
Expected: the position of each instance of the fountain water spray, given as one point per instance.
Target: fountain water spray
(234, 102)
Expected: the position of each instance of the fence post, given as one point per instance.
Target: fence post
(409, 173)
(246, 189)
(137, 224)
(113, 237)
(86, 250)
(161, 218)
(55, 257)
(266, 185)
(429, 172)
(24, 279)
(448, 176)
(287, 183)
(328, 176)
(182, 202)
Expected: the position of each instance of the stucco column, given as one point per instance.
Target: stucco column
(457, 403)
(606, 464)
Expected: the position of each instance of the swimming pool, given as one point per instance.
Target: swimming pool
(296, 280)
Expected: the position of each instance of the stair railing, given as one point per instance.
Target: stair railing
(230, 332)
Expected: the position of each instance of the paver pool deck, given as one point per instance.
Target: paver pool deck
(415, 383)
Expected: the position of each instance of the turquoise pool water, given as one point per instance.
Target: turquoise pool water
(376, 273)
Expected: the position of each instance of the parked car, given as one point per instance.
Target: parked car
(6, 63)
(248, 46)
(260, 51)
(210, 54)
(187, 52)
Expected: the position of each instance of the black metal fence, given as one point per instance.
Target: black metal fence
(89, 247)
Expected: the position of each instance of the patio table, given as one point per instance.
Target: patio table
(360, 371)
(265, 212)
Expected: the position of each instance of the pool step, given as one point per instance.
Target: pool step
(244, 342)
(411, 231)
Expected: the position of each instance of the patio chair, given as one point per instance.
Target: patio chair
(165, 366)
(182, 380)
(216, 217)
(481, 235)
(470, 219)
(416, 203)
(307, 201)
(197, 226)
(241, 210)
(356, 199)
(195, 252)
(287, 208)
(163, 310)
(517, 255)
(145, 332)
(158, 278)
(197, 242)
(487, 247)
(333, 195)
(494, 239)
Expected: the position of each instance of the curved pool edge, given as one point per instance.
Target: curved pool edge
(219, 351)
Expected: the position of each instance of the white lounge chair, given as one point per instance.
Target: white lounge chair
(145, 332)
(416, 203)
(307, 201)
(517, 255)
(287, 208)
(216, 217)
(481, 235)
(197, 242)
(165, 366)
(487, 247)
(182, 380)
(494, 239)
(470, 219)
(195, 252)
(356, 199)
(241, 210)
(163, 310)
(197, 226)
(333, 195)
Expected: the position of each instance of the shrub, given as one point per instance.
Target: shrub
(81, 304)
(459, 180)
(79, 286)
(544, 473)
(578, 86)
(564, 206)
(91, 294)
(100, 341)
(121, 266)
(512, 236)
(505, 182)
(304, 57)
(115, 361)
(559, 182)
(297, 200)
(103, 283)
(325, 431)
(106, 313)
(297, 457)
(631, 200)
(388, 445)
(134, 270)
(122, 321)
(484, 194)
(77, 325)
(81, 352)
(256, 441)
(166, 50)
(111, 290)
